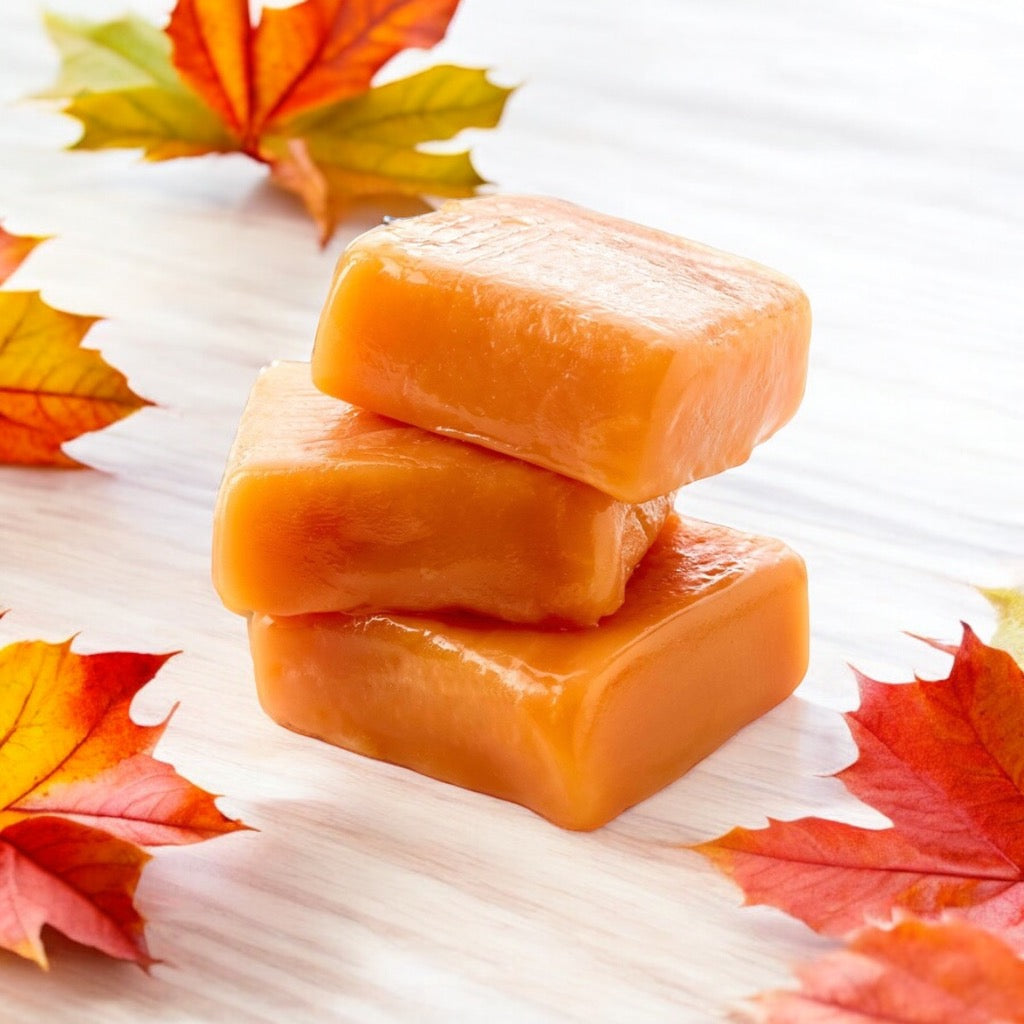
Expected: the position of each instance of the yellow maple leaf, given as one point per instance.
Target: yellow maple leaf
(51, 389)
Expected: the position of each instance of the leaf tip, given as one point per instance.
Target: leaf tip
(53, 22)
(237, 825)
(939, 645)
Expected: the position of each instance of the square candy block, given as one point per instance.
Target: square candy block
(621, 356)
(575, 724)
(325, 507)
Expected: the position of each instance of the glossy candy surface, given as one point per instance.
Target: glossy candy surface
(575, 724)
(621, 356)
(325, 507)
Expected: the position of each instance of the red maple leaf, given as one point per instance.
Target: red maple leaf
(944, 761)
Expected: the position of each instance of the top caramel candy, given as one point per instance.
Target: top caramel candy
(612, 353)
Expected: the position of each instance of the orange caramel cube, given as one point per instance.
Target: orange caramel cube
(575, 724)
(325, 507)
(620, 356)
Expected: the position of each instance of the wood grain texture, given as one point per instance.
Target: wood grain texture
(873, 150)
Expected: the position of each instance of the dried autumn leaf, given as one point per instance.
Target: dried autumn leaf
(915, 973)
(944, 761)
(1009, 605)
(79, 794)
(291, 89)
(51, 389)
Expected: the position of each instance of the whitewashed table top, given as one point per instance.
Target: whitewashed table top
(874, 151)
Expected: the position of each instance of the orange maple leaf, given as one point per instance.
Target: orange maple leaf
(257, 76)
(944, 761)
(52, 389)
(914, 972)
(80, 794)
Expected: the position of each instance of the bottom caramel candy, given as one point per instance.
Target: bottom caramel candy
(576, 724)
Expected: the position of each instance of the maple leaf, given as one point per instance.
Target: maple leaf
(51, 389)
(80, 794)
(914, 972)
(944, 761)
(292, 89)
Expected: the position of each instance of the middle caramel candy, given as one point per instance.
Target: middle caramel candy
(327, 507)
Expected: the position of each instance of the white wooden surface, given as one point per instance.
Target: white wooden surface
(871, 148)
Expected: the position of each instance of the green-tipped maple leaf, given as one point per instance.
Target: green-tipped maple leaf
(51, 388)
(292, 89)
(80, 794)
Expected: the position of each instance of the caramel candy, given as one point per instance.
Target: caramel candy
(620, 356)
(325, 507)
(575, 724)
